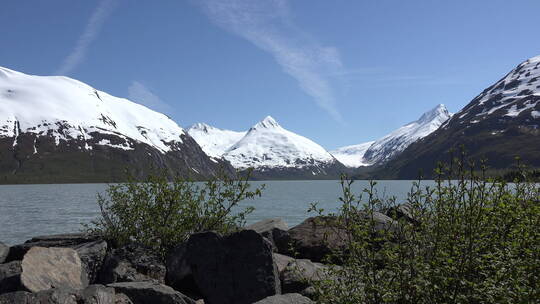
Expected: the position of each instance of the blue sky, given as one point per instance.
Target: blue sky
(339, 72)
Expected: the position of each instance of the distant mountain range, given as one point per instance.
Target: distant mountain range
(499, 124)
(271, 150)
(57, 129)
(382, 150)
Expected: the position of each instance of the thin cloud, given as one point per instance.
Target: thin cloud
(141, 94)
(268, 25)
(92, 29)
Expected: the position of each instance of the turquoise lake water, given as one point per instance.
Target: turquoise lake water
(31, 210)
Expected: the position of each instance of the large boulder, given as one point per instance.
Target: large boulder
(322, 237)
(132, 263)
(290, 298)
(238, 268)
(272, 229)
(46, 268)
(92, 256)
(4, 251)
(299, 274)
(179, 275)
(10, 277)
(70, 240)
(150, 292)
(313, 239)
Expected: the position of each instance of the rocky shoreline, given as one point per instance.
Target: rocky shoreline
(254, 265)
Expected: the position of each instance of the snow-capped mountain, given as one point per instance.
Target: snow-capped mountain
(384, 149)
(212, 140)
(516, 95)
(52, 117)
(499, 124)
(352, 156)
(394, 143)
(274, 151)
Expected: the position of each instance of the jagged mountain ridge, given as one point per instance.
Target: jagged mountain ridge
(499, 124)
(58, 129)
(271, 150)
(394, 143)
(382, 150)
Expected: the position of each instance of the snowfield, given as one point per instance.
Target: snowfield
(69, 109)
(352, 156)
(212, 140)
(265, 145)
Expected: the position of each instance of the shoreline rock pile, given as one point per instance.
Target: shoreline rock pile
(255, 265)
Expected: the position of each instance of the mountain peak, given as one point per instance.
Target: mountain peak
(440, 111)
(267, 123)
(201, 126)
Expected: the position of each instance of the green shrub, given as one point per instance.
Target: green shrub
(160, 214)
(473, 240)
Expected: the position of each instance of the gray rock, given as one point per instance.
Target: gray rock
(92, 256)
(46, 268)
(272, 229)
(314, 239)
(282, 261)
(57, 296)
(10, 277)
(132, 263)
(18, 297)
(98, 294)
(403, 211)
(150, 292)
(317, 238)
(268, 225)
(93, 294)
(4, 251)
(299, 275)
(238, 268)
(290, 298)
(120, 298)
(17, 252)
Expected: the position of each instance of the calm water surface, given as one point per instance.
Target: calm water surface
(31, 210)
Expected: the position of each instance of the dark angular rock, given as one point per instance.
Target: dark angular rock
(150, 292)
(132, 263)
(238, 268)
(290, 298)
(18, 297)
(120, 298)
(97, 294)
(10, 277)
(92, 256)
(46, 268)
(272, 229)
(17, 252)
(179, 275)
(57, 296)
(4, 251)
